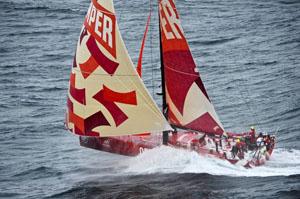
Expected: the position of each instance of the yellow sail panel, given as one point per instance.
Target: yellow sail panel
(106, 95)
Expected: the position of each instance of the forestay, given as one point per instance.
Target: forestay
(188, 103)
(106, 95)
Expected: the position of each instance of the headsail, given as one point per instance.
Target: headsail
(106, 95)
(188, 103)
(139, 65)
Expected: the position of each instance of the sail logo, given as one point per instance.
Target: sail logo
(170, 22)
(109, 99)
(101, 23)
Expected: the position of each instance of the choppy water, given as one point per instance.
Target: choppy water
(249, 58)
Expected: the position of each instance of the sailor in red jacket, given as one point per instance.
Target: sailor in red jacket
(252, 135)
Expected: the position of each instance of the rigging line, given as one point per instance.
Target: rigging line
(255, 122)
(155, 34)
(151, 50)
(241, 96)
(247, 101)
(103, 74)
(253, 112)
(120, 15)
(181, 72)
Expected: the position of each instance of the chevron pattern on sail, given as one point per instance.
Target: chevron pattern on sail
(188, 103)
(106, 95)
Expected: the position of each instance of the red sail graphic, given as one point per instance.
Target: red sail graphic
(86, 126)
(101, 23)
(181, 73)
(205, 123)
(77, 94)
(97, 59)
(108, 98)
(139, 65)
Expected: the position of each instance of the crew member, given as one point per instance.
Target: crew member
(252, 135)
(202, 141)
(260, 140)
(224, 140)
(268, 142)
(240, 148)
(216, 143)
(234, 151)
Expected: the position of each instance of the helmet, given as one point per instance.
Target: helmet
(252, 128)
(238, 140)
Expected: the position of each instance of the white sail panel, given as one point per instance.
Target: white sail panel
(106, 95)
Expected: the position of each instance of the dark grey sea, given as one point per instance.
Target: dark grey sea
(248, 54)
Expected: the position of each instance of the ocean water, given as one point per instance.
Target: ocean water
(248, 54)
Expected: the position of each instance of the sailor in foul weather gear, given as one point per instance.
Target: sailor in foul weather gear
(267, 141)
(259, 141)
(240, 144)
(237, 149)
(252, 135)
(250, 139)
(234, 151)
(202, 140)
(224, 140)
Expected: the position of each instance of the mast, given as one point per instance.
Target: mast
(163, 87)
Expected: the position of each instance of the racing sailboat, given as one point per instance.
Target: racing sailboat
(111, 110)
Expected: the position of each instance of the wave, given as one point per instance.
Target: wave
(38, 6)
(213, 42)
(46, 8)
(170, 160)
(289, 2)
(39, 172)
(9, 194)
(97, 189)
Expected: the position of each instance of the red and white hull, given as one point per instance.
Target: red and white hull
(204, 145)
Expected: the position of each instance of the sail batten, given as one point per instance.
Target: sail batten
(106, 95)
(188, 103)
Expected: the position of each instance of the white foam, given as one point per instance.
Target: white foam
(170, 160)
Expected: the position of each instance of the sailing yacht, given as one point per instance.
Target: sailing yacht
(111, 110)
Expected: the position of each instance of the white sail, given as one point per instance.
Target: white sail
(106, 95)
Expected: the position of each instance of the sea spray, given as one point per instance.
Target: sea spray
(170, 160)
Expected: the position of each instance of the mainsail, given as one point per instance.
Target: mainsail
(106, 95)
(188, 103)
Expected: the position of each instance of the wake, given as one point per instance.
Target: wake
(164, 159)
